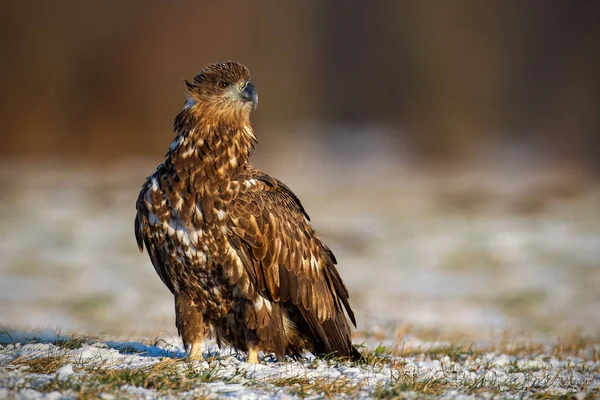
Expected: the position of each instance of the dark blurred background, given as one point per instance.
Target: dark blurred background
(439, 80)
(447, 151)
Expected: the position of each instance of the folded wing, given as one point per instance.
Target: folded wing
(287, 262)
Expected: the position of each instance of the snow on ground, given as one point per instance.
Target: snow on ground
(46, 366)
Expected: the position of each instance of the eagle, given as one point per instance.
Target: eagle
(233, 244)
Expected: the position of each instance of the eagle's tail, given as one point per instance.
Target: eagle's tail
(333, 337)
(355, 354)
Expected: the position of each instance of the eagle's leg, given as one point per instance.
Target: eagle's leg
(253, 355)
(252, 341)
(196, 351)
(190, 325)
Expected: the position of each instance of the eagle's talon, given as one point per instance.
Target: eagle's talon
(253, 356)
(196, 352)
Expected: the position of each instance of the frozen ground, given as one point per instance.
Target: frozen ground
(38, 366)
(432, 254)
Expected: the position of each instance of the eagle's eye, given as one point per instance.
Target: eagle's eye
(222, 85)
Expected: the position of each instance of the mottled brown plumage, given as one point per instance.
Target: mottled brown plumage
(233, 244)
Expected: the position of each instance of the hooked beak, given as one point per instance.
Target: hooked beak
(249, 93)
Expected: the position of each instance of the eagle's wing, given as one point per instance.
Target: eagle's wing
(169, 240)
(149, 205)
(286, 261)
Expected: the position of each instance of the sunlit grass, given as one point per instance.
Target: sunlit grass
(398, 370)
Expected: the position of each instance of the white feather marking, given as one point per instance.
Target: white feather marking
(233, 161)
(261, 302)
(198, 212)
(193, 237)
(154, 184)
(249, 131)
(250, 182)
(268, 304)
(224, 229)
(171, 226)
(221, 215)
(186, 239)
(314, 264)
(258, 303)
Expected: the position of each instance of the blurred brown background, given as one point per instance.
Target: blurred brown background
(445, 79)
(447, 151)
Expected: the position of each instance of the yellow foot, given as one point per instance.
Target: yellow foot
(253, 356)
(196, 352)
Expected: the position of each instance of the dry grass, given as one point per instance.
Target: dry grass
(47, 364)
(460, 366)
(325, 388)
(165, 377)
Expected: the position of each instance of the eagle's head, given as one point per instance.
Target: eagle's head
(223, 89)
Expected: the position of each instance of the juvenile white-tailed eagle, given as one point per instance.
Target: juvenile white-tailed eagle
(233, 244)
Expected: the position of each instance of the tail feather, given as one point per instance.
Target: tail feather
(332, 337)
